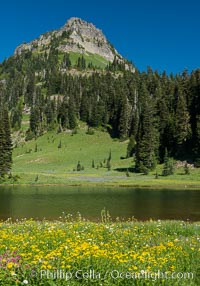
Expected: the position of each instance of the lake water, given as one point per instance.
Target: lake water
(49, 202)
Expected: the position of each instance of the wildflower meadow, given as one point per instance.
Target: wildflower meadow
(78, 252)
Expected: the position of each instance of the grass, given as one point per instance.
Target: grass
(96, 60)
(53, 165)
(50, 158)
(78, 252)
(56, 165)
(25, 122)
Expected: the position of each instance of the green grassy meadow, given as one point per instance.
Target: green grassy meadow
(96, 60)
(55, 164)
(40, 161)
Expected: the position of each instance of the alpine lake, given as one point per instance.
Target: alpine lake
(57, 202)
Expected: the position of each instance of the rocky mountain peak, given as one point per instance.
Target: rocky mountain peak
(81, 27)
(77, 36)
(84, 37)
(75, 22)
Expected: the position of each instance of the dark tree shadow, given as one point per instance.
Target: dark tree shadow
(130, 169)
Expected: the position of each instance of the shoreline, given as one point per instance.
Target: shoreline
(103, 180)
(111, 185)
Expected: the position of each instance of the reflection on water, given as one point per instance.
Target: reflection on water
(143, 204)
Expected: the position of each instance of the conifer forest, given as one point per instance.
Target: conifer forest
(158, 113)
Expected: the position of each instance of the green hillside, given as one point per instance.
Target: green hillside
(44, 158)
(96, 60)
(53, 158)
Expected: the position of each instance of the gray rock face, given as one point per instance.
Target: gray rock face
(75, 36)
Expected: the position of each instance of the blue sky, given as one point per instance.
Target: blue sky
(162, 34)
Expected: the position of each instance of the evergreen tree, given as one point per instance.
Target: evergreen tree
(16, 115)
(183, 129)
(168, 168)
(60, 145)
(131, 147)
(2, 148)
(194, 91)
(127, 173)
(5, 143)
(81, 64)
(109, 165)
(123, 120)
(72, 114)
(29, 95)
(147, 136)
(197, 139)
(36, 148)
(63, 113)
(166, 137)
(8, 141)
(110, 156)
(35, 120)
(66, 61)
(93, 165)
(78, 167)
(50, 113)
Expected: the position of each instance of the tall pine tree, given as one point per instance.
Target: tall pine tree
(5, 143)
(147, 137)
(182, 122)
